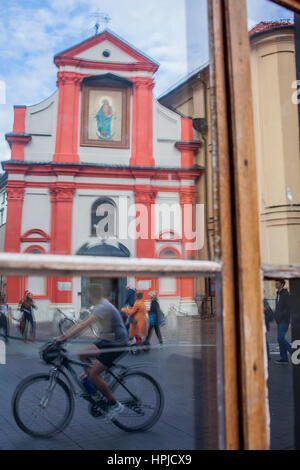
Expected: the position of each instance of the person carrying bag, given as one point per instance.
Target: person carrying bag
(138, 327)
(26, 306)
(156, 319)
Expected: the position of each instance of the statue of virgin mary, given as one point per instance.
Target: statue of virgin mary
(104, 118)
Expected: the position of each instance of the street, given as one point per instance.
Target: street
(189, 419)
(187, 375)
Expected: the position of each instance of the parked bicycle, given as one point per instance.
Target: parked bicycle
(67, 321)
(174, 310)
(43, 404)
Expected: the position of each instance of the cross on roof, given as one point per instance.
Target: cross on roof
(101, 19)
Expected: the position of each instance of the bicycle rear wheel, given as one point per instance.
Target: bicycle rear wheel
(143, 401)
(65, 324)
(29, 409)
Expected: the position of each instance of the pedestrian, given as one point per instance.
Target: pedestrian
(138, 323)
(3, 316)
(26, 306)
(130, 296)
(269, 317)
(129, 302)
(282, 317)
(155, 319)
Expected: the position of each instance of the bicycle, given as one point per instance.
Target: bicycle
(173, 309)
(43, 404)
(67, 322)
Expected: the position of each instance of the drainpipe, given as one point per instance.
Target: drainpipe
(203, 129)
(203, 132)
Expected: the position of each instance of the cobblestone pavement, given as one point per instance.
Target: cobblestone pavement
(188, 421)
(187, 376)
(281, 400)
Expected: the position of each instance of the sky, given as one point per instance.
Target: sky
(172, 32)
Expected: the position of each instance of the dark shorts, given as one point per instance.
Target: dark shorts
(107, 358)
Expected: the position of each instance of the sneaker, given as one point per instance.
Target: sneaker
(289, 356)
(113, 410)
(281, 361)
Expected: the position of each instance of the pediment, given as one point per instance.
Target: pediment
(105, 47)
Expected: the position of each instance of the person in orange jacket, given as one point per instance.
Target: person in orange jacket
(138, 328)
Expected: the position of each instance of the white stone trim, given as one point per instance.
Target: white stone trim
(43, 191)
(109, 180)
(16, 177)
(121, 73)
(104, 192)
(186, 183)
(143, 181)
(38, 179)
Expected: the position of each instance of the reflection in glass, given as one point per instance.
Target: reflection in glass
(273, 33)
(116, 163)
(178, 350)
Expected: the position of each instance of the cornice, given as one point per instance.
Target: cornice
(17, 138)
(191, 145)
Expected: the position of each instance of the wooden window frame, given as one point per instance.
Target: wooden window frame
(245, 386)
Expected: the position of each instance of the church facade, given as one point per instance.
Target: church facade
(94, 169)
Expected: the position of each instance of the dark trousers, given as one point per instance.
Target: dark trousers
(157, 331)
(28, 318)
(268, 347)
(284, 345)
(4, 325)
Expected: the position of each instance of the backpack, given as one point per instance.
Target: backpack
(161, 317)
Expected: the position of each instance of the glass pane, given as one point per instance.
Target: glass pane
(177, 350)
(274, 34)
(107, 152)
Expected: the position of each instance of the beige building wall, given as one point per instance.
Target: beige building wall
(192, 100)
(277, 146)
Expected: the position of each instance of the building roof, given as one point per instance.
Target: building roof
(262, 27)
(265, 26)
(107, 34)
(182, 81)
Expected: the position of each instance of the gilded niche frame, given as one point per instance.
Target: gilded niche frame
(105, 114)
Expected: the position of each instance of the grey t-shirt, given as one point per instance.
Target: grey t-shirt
(110, 325)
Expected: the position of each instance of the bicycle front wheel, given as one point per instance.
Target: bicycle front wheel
(37, 411)
(65, 324)
(143, 401)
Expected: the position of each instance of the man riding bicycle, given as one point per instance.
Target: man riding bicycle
(112, 334)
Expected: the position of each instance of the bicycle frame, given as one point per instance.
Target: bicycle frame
(71, 316)
(66, 364)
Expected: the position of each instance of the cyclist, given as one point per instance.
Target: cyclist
(112, 334)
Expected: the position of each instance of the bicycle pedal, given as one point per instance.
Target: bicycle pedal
(87, 397)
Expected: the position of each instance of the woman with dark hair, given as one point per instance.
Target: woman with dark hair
(26, 306)
(154, 319)
(138, 328)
